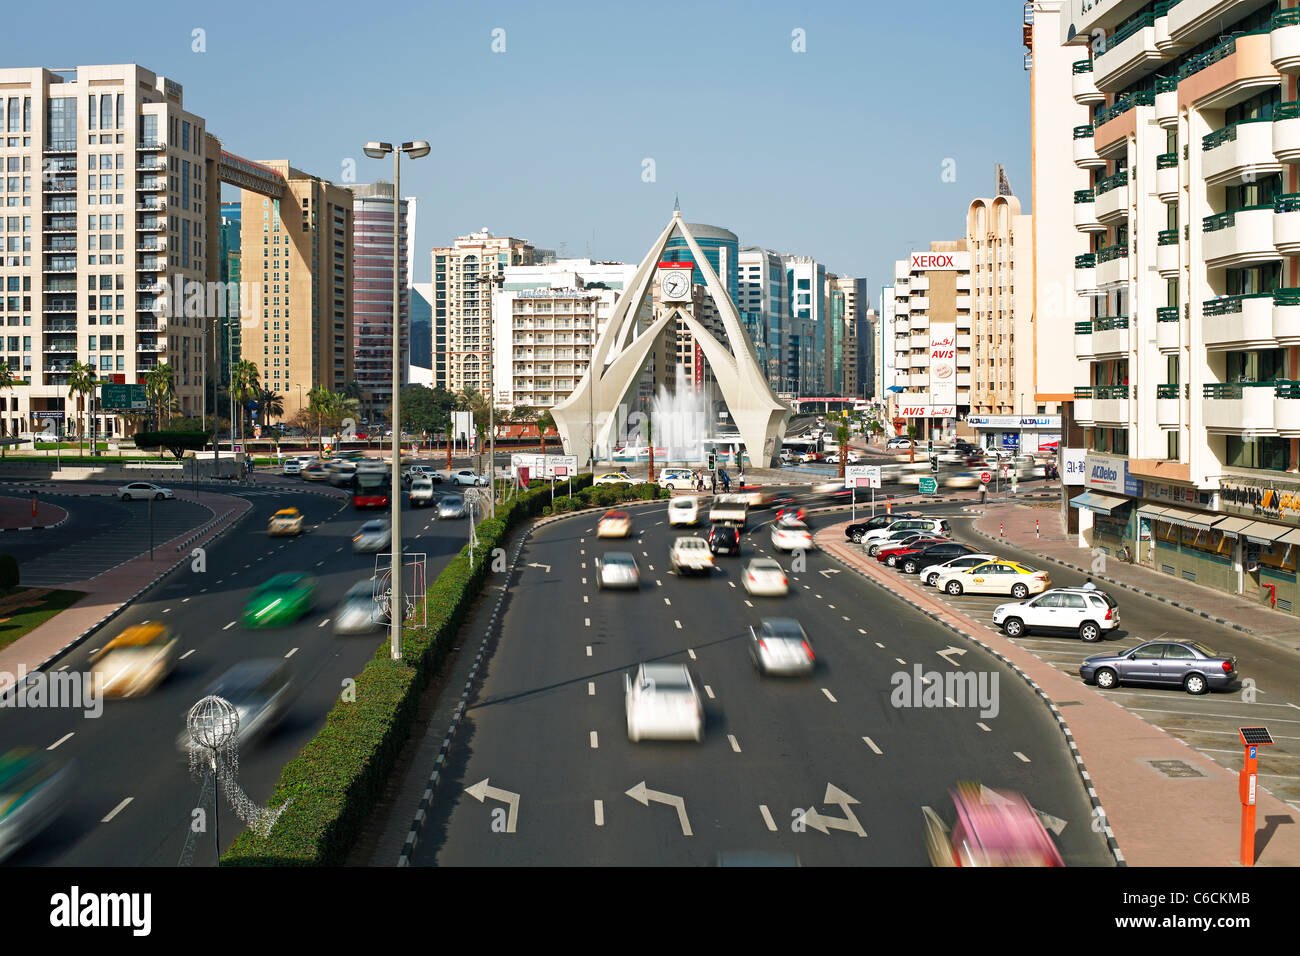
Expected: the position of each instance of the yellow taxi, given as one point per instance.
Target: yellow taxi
(286, 521)
(998, 576)
(135, 661)
(614, 524)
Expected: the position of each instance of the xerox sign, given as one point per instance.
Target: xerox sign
(941, 262)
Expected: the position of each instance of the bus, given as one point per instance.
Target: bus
(370, 489)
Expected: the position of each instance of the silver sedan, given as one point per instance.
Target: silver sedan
(1189, 665)
(780, 646)
(452, 506)
(372, 536)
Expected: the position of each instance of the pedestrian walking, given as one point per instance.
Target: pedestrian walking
(726, 481)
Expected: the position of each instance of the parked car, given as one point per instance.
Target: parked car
(933, 574)
(662, 703)
(137, 660)
(937, 553)
(292, 466)
(724, 539)
(765, 577)
(288, 521)
(935, 526)
(890, 556)
(684, 510)
(616, 478)
(614, 524)
(999, 576)
(143, 491)
(359, 612)
(858, 530)
(691, 556)
(871, 548)
(779, 646)
(1088, 612)
(374, 535)
(676, 480)
(414, 472)
(1191, 665)
(617, 569)
(467, 476)
(259, 689)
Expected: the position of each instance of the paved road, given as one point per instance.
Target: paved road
(547, 722)
(129, 753)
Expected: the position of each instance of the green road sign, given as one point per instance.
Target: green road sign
(115, 396)
(929, 485)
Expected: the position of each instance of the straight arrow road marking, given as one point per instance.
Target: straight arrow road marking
(644, 796)
(482, 790)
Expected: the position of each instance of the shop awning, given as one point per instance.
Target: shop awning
(1233, 526)
(1102, 504)
(1291, 537)
(1264, 532)
(1151, 511)
(1187, 519)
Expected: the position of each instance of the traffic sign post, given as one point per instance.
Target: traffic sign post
(862, 476)
(928, 486)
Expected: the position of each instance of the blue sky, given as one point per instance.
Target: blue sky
(836, 152)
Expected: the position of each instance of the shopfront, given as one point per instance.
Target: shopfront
(1024, 435)
(1267, 512)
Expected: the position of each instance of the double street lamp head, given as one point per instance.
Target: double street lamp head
(417, 150)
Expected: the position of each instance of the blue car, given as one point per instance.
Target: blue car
(1189, 665)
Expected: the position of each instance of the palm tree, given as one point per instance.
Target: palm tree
(544, 423)
(244, 383)
(842, 439)
(81, 381)
(912, 432)
(271, 404)
(7, 381)
(320, 404)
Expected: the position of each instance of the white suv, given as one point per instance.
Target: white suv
(1085, 611)
(937, 527)
(684, 511)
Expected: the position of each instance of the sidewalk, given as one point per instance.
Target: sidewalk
(16, 515)
(1199, 817)
(107, 594)
(1053, 544)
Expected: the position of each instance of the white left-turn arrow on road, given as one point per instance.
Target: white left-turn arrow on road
(482, 790)
(643, 796)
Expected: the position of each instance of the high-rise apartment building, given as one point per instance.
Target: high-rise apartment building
(1187, 121)
(228, 330)
(372, 291)
(463, 275)
(110, 196)
(999, 240)
(856, 348)
(421, 331)
(806, 341)
(764, 306)
(300, 334)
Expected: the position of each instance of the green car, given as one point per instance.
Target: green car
(281, 600)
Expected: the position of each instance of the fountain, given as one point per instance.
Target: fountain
(681, 420)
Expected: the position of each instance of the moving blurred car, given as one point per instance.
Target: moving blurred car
(143, 491)
(993, 828)
(962, 479)
(792, 537)
(932, 575)
(281, 600)
(422, 471)
(340, 472)
(359, 612)
(663, 704)
(903, 443)
(724, 539)
(34, 789)
(452, 506)
(421, 492)
(684, 510)
(136, 661)
(259, 691)
(314, 472)
(617, 569)
(676, 479)
(765, 577)
(1087, 612)
(616, 478)
(780, 647)
(789, 516)
(286, 521)
(691, 555)
(940, 552)
(1195, 667)
(614, 524)
(374, 535)
(999, 576)
(467, 476)
(292, 466)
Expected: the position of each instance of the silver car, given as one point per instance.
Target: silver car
(780, 646)
(358, 612)
(617, 569)
(34, 790)
(259, 691)
(452, 506)
(1191, 665)
(372, 536)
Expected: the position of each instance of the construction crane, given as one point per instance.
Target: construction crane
(1004, 185)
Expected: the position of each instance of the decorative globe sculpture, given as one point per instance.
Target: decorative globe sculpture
(213, 723)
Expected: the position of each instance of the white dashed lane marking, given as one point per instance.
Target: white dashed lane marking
(1020, 756)
(117, 809)
(767, 817)
(872, 744)
(984, 727)
(829, 696)
(599, 807)
(59, 741)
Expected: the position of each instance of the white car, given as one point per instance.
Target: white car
(931, 575)
(1087, 612)
(616, 478)
(663, 704)
(691, 555)
(998, 576)
(903, 443)
(421, 492)
(292, 466)
(766, 578)
(780, 646)
(677, 480)
(466, 476)
(793, 536)
(832, 458)
(683, 511)
(143, 491)
(340, 472)
(617, 569)
(937, 527)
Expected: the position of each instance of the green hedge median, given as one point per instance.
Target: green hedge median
(334, 784)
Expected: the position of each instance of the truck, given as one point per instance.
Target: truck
(730, 509)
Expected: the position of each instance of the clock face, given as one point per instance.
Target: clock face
(675, 285)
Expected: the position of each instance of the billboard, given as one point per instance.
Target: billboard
(941, 262)
(943, 367)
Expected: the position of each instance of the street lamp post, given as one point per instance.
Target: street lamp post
(489, 280)
(416, 150)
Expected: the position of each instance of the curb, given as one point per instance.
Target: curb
(1079, 765)
(1128, 587)
(40, 527)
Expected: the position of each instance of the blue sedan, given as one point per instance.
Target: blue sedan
(1190, 665)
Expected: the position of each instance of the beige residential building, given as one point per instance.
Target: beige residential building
(300, 249)
(463, 276)
(1001, 334)
(109, 195)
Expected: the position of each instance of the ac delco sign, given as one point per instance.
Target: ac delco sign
(941, 262)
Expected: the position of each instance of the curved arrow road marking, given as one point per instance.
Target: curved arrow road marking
(824, 824)
(641, 795)
(481, 790)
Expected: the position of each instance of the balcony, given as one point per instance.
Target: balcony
(150, 265)
(1110, 404)
(1166, 101)
(963, 355)
(59, 325)
(920, 284)
(963, 302)
(54, 306)
(1167, 252)
(1286, 224)
(1238, 322)
(1167, 329)
(151, 185)
(919, 303)
(150, 347)
(919, 321)
(1239, 238)
(1167, 177)
(1083, 341)
(1286, 409)
(1112, 198)
(1085, 212)
(963, 283)
(1085, 86)
(1167, 405)
(1083, 405)
(1112, 125)
(1238, 408)
(1110, 336)
(1284, 41)
(1085, 274)
(60, 184)
(1286, 316)
(157, 246)
(1127, 53)
(963, 342)
(61, 346)
(151, 164)
(150, 145)
(1241, 152)
(151, 205)
(1234, 68)
(920, 341)
(1112, 266)
(902, 324)
(1085, 150)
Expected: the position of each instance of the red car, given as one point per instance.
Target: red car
(890, 555)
